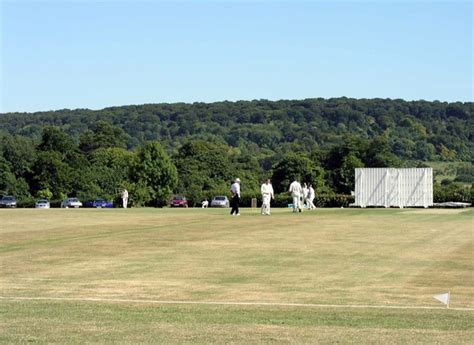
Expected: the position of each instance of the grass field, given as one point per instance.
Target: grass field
(446, 170)
(328, 276)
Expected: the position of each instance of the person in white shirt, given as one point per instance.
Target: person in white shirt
(124, 196)
(234, 201)
(296, 193)
(267, 194)
(311, 196)
(205, 203)
(305, 195)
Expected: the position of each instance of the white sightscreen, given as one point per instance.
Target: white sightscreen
(394, 187)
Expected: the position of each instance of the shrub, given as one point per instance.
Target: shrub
(453, 192)
(321, 200)
(333, 200)
(25, 202)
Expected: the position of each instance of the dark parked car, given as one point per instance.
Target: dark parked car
(179, 201)
(99, 203)
(8, 201)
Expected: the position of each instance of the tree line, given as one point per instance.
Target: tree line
(197, 149)
(416, 130)
(99, 166)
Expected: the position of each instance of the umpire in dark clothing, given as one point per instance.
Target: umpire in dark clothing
(234, 202)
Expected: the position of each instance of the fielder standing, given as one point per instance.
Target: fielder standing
(124, 198)
(305, 195)
(311, 196)
(296, 193)
(267, 194)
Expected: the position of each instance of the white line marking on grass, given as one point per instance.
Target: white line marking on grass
(257, 304)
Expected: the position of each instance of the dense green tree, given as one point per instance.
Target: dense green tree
(248, 169)
(108, 173)
(7, 178)
(202, 167)
(424, 151)
(154, 171)
(11, 185)
(51, 172)
(19, 152)
(342, 160)
(297, 166)
(22, 191)
(45, 194)
(55, 139)
(104, 135)
(60, 166)
(346, 173)
(379, 153)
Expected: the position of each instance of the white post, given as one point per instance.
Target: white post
(425, 190)
(399, 188)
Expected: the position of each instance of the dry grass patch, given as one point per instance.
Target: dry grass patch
(335, 256)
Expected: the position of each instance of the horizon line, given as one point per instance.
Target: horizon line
(233, 101)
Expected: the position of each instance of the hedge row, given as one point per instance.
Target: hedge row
(321, 200)
(453, 192)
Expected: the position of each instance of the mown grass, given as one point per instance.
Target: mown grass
(71, 322)
(330, 256)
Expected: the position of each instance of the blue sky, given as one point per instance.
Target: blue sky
(94, 54)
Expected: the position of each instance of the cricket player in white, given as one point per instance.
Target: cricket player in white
(267, 194)
(124, 198)
(296, 193)
(305, 195)
(311, 196)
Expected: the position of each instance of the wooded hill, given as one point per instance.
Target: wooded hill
(417, 130)
(196, 149)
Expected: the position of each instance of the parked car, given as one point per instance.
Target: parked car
(42, 203)
(99, 203)
(220, 201)
(179, 201)
(8, 201)
(71, 202)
